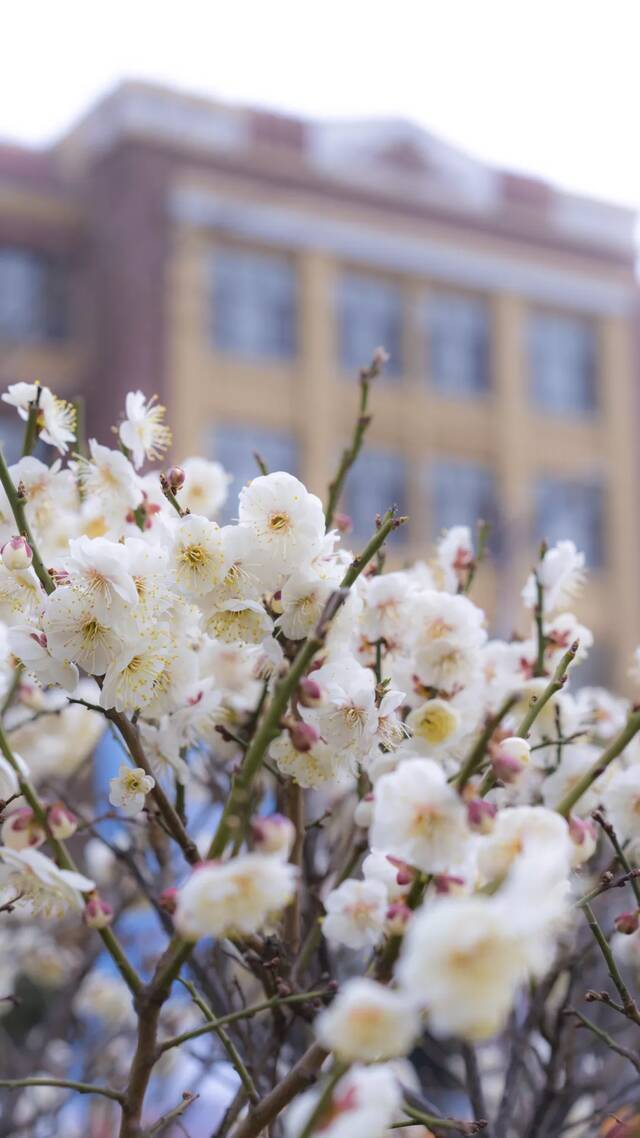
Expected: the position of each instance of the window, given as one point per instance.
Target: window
(464, 493)
(574, 510)
(369, 317)
(377, 481)
(562, 363)
(254, 304)
(598, 670)
(233, 446)
(33, 297)
(11, 435)
(458, 330)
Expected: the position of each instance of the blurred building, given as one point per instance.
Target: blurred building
(243, 265)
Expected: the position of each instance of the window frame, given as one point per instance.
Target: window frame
(481, 301)
(589, 408)
(268, 355)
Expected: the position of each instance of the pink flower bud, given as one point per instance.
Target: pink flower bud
(22, 831)
(273, 834)
(509, 758)
(398, 917)
(176, 478)
(97, 913)
(303, 736)
(168, 900)
(446, 883)
(17, 553)
(628, 922)
(405, 873)
(582, 830)
(310, 694)
(343, 523)
(62, 821)
(481, 815)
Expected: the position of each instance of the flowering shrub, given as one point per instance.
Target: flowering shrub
(364, 855)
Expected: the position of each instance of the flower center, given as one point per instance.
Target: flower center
(279, 522)
(194, 556)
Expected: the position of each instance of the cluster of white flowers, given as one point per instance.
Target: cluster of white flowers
(407, 722)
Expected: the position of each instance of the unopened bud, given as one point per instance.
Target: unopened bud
(62, 821)
(343, 523)
(273, 834)
(168, 900)
(628, 923)
(175, 478)
(303, 736)
(380, 357)
(97, 913)
(363, 813)
(510, 758)
(276, 604)
(21, 830)
(584, 837)
(398, 917)
(17, 553)
(405, 873)
(481, 815)
(310, 694)
(446, 883)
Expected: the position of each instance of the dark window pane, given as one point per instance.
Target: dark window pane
(369, 317)
(597, 670)
(566, 509)
(458, 331)
(33, 297)
(464, 493)
(233, 446)
(254, 309)
(11, 435)
(562, 363)
(377, 481)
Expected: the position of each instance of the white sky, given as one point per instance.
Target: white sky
(548, 86)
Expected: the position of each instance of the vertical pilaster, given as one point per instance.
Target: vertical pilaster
(620, 418)
(318, 429)
(512, 465)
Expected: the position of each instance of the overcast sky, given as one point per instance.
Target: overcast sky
(548, 86)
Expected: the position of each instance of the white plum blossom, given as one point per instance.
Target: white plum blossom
(108, 476)
(74, 633)
(55, 419)
(197, 559)
(99, 571)
(347, 718)
(130, 789)
(30, 646)
(455, 556)
(363, 1104)
(237, 896)
(463, 963)
(368, 1022)
(355, 913)
(622, 801)
(518, 832)
(143, 431)
(40, 885)
(205, 487)
(285, 519)
(561, 575)
(419, 817)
